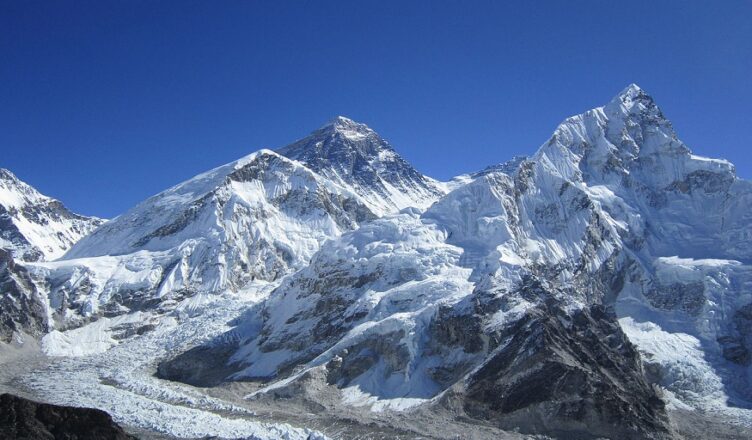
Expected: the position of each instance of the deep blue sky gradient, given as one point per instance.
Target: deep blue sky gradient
(104, 103)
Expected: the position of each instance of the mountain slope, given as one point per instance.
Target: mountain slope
(257, 218)
(34, 227)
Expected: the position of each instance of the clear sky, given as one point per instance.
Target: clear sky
(104, 103)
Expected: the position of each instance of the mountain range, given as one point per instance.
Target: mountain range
(598, 288)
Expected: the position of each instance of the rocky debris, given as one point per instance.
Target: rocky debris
(687, 297)
(201, 366)
(25, 419)
(359, 358)
(737, 347)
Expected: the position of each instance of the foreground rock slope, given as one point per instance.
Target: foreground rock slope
(25, 419)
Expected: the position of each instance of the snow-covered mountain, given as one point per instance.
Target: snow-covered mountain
(354, 156)
(594, 289)
(498, 301)
(34, 227)
(258, 218)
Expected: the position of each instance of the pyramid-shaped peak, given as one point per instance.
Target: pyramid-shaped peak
(631, 90)
(342, 124)
(633, 95)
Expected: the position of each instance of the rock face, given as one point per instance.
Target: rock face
(566, 374)
(26, 419)
(22, 309)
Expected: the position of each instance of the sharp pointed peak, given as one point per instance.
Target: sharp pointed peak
(631, 95)
(340, 123)
(632, 89)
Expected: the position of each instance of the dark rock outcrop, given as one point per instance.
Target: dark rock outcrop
(25, 419)
(566, 374)
(21, 311)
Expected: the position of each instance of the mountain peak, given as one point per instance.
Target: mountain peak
(353, 155)
(34, 226)
(347, 127)
(631, 90)
(7, 175)
(341, 121)
(633, 98)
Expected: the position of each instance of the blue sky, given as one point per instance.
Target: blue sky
(104, 103)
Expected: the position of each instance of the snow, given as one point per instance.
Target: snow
(90, 339)
(689, 379)
(354, 396)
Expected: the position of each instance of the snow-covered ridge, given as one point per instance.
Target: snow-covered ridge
(36, 227)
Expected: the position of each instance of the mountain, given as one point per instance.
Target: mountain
(548, 300)
(258, 218)
(34, 227)
(352, 155)
(598, 288)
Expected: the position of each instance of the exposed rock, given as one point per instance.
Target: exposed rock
(21, 309)
(568, 375)
(25, 419)
(688, 297)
